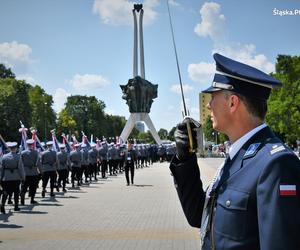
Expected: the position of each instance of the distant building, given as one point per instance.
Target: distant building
(140, 126)
(204, 99)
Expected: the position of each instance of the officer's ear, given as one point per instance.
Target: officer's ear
(234, 102)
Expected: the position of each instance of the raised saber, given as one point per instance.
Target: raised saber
(180, 81)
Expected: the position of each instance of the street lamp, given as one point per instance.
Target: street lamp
(45, 121)
(215, 134)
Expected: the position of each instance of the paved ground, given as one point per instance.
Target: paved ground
(107, 215)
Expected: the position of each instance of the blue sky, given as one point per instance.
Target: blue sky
(85, 46)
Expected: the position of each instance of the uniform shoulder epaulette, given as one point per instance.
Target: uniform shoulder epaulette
(277, 148)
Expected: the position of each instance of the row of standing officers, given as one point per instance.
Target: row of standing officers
(29, 167)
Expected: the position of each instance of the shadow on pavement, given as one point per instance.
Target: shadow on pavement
(31, 212)
(4, 217)
(9, 226)
(143, 185)
(67, 197)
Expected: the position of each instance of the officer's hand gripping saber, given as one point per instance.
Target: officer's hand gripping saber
(186, 117)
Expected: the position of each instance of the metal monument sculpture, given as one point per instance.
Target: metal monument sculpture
(138, 92)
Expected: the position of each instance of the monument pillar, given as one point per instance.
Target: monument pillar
(138, 92)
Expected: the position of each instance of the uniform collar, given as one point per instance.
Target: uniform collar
(237, 145)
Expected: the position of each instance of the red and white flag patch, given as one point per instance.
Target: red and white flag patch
(287, 190)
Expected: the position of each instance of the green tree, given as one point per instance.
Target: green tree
(88, 114)
(43, 115)
(208, 130)
(163, 134)
(6, 72)
(65, 123)
(134, 134)
(171, 134)
(14, 107)
(284, 103)
(145, 137)
(114, 125)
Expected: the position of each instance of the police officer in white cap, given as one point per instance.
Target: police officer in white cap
(11, 175)
(49, 166)
(84, 163)
(62, 167)
(31, 162)
(75, 160)
(92, 159)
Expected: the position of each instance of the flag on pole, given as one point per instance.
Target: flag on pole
(37, 143)
(23, 132)
(65, 141)
(98, 145)
(55, 142)
(33, 132)
(85, 140)
(119, 140)
(3, 146)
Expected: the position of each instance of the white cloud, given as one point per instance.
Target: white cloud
(29, 79)
(201, 72)
(119, 12)
(174, 3)
(88, 82)
(212, 23)
(14, 53)
(176, 88)
(213, 26)
(60, 98)
(246, 53)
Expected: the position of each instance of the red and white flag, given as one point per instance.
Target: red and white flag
(287, 190)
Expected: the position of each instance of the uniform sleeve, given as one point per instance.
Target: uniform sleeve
(21, 169)
(38, 163)
(189, 188)
(278, 213)
(1, 169)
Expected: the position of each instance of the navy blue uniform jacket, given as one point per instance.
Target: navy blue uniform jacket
(259, 214)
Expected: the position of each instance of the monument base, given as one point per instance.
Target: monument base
(133, 119)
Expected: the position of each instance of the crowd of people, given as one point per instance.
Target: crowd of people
(70, 165)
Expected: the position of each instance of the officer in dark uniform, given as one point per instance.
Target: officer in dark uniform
(103, 150)
(75, 160)
(31, 162)
(11, 175)
(254, 200)
(130, 157)
(92, 160)
(62, 167)
(49, 167)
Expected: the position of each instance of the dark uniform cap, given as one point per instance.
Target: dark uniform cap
(11, 144)
(241, 78)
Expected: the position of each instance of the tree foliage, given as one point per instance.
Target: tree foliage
(163, 134)
(86, 113)
(42, 113)
(284, 103)
(6, 72)
(14, 107)
(171, 134)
